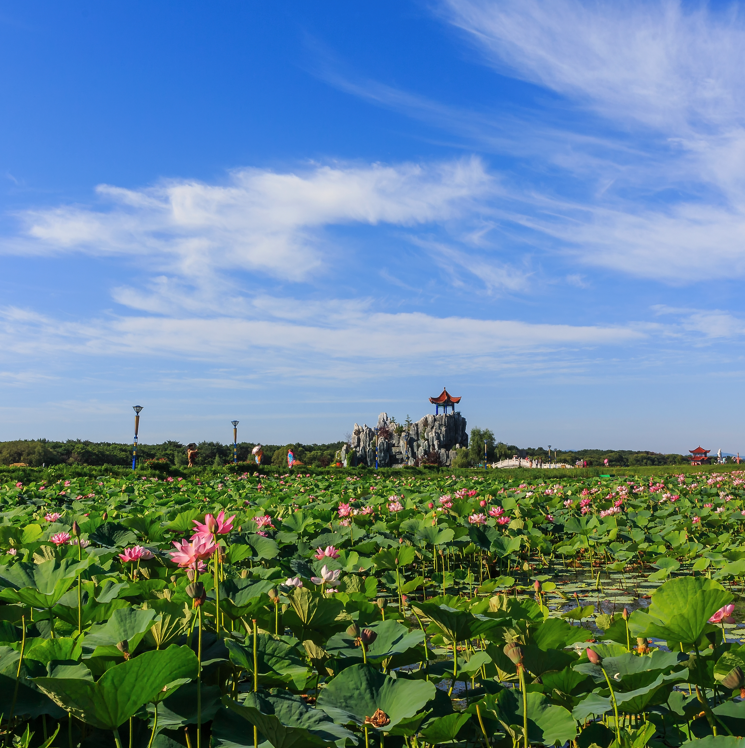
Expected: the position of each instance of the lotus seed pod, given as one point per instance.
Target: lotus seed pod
(76, 529)
(368, 636)
(191, 574)
(354, 630)
(195, 590)
(123, 647)
(244, 573)
(594, 657)
(513, 652)
(273, 594)
(734, 679)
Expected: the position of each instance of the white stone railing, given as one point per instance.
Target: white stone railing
(523, 463)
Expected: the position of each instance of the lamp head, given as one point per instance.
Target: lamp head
(235, 423)
(137, 409)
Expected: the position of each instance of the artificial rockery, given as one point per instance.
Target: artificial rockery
(433, 438)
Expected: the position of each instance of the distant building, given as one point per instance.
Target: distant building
(699, 455)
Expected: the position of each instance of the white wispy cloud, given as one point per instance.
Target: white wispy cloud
(322, 340)
(259, 220)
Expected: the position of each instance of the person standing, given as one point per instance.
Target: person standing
(290, 458)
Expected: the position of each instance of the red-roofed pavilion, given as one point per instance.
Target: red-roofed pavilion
(698, 455)
(444, 401)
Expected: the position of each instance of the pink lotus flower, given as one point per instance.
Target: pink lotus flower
(265, 521)
(294, 582)
(213, 526)
(328, 552)
(12, 551)
(367, 510)
(395, 506)
(60, 538)
(496, 511)
(19, 484)
(482, 502)
(135, 554)
(52, 516)
(80, 541)
(477, 519)
(503, 520)
(190, 554)
(550, 517)
(696, 520)
(724, 614)
(344, 510)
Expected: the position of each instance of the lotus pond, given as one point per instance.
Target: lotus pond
(390, 610)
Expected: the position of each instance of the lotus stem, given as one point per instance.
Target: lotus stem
(155, 728)
(481, 724)
(521, 673)
(199, 679)
(130, 732)
(80, 592)
(215, 558)
(455, 667)
(615, 705)
(117, 739)
(256, 673)
(18, 672)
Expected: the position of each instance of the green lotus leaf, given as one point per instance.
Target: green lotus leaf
(444, 729)
(40, 585)
(360, 690)
(548, 724)
(455, 625)
(113, 535)
(123, 689)
(680, 609)
(392, 638)
(278, 660)
(288, 722)
(125, 624)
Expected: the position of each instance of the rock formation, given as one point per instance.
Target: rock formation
(399, 445)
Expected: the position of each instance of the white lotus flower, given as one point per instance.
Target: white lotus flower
(329, 578)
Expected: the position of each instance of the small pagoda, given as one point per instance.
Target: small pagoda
(444, 401)
(699, 455)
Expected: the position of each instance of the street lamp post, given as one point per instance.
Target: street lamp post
(137, 409)
(549, 454)
(485, 457)
(376, 447)
(235, 441)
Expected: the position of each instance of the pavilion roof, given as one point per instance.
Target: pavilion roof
(445, 397)
(699, 451)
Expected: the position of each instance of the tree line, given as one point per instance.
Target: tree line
(38, 452)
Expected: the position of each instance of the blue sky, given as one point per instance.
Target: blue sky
(301, 219)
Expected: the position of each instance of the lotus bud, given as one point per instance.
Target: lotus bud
(105, 516)
(382, 603)
(734, 679)
(244, 573)
(537, 587)
(368, 636)
(76, 529)
(354, 630)
(625, 614)
(514, 653)
(594, 657)
(123, 647)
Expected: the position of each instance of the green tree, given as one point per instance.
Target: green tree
(476, 441)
